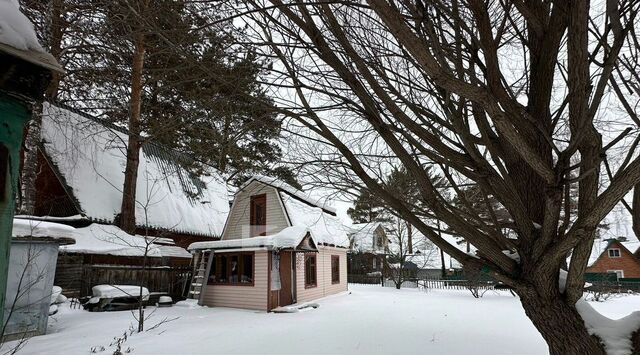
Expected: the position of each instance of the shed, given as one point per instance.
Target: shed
(32, 266)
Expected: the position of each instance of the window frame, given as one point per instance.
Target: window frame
(614, 256)
(228, 257)
(336, 259)
(313, 256)
(252, 216)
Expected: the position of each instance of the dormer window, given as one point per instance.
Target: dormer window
(614, 253)
(258, 215)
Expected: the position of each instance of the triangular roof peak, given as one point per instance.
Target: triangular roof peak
(290, 190)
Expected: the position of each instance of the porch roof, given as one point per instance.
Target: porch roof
(289, 238)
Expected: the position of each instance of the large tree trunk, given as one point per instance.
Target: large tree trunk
(128, 209)
(559, 323)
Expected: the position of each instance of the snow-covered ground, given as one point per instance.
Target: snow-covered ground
(369, 320)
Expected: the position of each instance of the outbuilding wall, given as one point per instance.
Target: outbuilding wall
(248, 297)
(325, 287)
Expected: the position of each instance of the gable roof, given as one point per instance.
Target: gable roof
(600, 247)
(290, 190)
(361, 236)
(89, 157)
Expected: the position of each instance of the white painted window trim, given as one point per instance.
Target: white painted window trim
(611, 249)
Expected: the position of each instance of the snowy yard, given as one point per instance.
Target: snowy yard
(369, 320)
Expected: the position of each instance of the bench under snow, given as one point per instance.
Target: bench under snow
(116, 291)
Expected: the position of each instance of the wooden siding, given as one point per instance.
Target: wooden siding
(238, 221)
(325, 286)
(250, 297)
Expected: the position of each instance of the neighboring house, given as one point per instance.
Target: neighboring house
(279, 247)
(367, 249)
(81, 164)
(81, 174)
(427, 261)
(615, 256)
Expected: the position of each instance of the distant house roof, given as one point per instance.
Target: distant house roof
(89, 157)
(426, 255)
(616, 226)
(362, 235)
(600, 246)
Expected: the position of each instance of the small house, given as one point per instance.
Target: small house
(368, 248)
(616, 257)
(279, 247)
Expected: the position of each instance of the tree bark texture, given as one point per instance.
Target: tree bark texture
(128, 209)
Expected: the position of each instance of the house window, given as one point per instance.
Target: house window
(310, 270)
(232, 269)
(4, 171)
(375, 262)
(335, 269)
(619, 273)
(258, 215)
(614, 253)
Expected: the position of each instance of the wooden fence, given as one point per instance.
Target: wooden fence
(165, 279)
(457, 284)
(364, 279)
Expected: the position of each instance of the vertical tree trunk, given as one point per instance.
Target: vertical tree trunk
(128, 209)
(635, 211)
(559, 323)
(409, 239)
(444, 269)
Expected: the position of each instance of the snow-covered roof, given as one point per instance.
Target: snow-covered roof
(616, 225)
(23, 228)
(325, 227)
(290, 237)
(601, 245)
(111, 240)
(426, 255)
(283, 186)
(362, 237)
(15, 28)
(90, 157)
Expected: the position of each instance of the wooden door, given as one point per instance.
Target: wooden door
(286, 297)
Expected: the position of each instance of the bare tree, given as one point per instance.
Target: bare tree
(511, 96)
